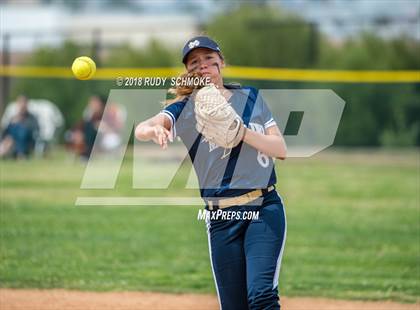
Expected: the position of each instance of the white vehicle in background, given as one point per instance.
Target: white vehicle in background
(49, 117)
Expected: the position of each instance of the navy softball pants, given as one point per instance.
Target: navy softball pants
(246, 255)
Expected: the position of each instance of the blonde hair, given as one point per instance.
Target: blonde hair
(181, 92)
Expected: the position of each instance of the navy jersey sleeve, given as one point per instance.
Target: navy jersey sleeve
(267, 116)
(173, 111)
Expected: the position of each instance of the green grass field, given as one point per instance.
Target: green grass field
(353, 230)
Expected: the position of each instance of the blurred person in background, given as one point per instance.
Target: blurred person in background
(112, 126)
(92, 117)
(49, 117)
(19, 136)
(82, 136)
(98, 122)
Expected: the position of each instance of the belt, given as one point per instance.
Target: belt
(239, 200)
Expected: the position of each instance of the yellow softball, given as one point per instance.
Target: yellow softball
(83, 68)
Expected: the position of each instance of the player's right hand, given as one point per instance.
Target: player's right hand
(161, 136)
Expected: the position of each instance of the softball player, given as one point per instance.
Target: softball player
(245, 254)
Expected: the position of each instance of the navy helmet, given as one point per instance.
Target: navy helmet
(197, 42)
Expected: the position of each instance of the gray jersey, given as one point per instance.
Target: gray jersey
(245, 168)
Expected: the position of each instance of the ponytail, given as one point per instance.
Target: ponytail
(180, 92)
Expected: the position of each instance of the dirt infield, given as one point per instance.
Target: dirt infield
(11, 299)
